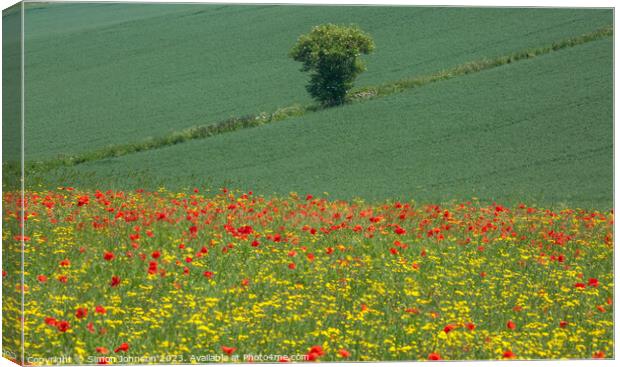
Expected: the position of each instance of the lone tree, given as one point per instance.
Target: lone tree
(331, 53)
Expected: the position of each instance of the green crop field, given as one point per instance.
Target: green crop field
(100, 74)
(538, 130)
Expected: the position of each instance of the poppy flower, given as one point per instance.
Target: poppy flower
(598, 355)
(108, 256)
(470, 326)
(51, 321)
(156, 254)
(593, 282)
(208, 274)
(81, 313)
(228, 350)
(344, 353)
(563, 324)
(511, 325)
(292, 266)
(314, 353)
(63, 326)
(255, 243)
(434, 357)
(83, 200)
(102, 350)
(115, 281)
(449, 328)
(100, 310)
(65, 262)
(42, 278)
(580, 285)
(122, 348)
(508, 354)
(62, 278)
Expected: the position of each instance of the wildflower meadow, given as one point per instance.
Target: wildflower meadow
(173, 277)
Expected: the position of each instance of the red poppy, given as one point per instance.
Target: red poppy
(292, 266)
(434, 357)
(598, 355)
(62, 278)
(508, 354)
(563, 324)
(344, 353)
(42, 278)
(108, 256)
(400, 231)
(208, 274)
(83, 200)
(593, 282)
(470, 326)
(449, 328)
(81, 312)
(511, 325)
(314, 353)
(228, 350)
(51, 321)
(100, 310)
(580, 285)
(115, 281)
(122, 348)
(102, 350)
(156, 254)
(255, 243)
(65, 262)
(63, 326)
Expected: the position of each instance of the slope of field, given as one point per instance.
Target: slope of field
(538, 131)
(100, 74)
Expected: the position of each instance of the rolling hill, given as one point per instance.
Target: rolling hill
(117, 73)
(537, 130)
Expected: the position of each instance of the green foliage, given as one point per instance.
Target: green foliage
(331, 53)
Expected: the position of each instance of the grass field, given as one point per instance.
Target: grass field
(117, 73)
(537, 130)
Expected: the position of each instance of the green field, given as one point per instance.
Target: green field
(116, 73)
(537, 130)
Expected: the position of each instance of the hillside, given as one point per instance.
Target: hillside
(537, 130)
(118, 73)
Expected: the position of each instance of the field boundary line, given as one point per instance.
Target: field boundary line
(356, 96)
